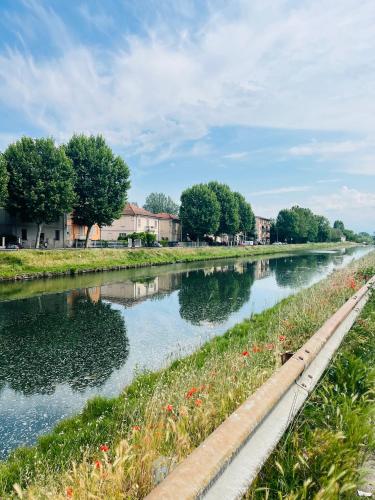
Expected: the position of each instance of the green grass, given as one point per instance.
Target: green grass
(40, 263)
(322, 454)
(223, 377)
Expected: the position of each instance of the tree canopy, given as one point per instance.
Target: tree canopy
(102, 181)
(199, 211)
(246, 215)
(160, 202)
(41, 181)
(229, 216)
(3, 180)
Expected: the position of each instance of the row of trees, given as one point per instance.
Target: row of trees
(213, 209)
(40, 181)
(299, 225)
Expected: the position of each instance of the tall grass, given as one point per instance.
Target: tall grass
(161, 417)
(321, 456)
(41, 263)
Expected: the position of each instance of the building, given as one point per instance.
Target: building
(169, 227)
(136, 219)
(263, 230)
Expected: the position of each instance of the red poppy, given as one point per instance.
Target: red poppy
(352, 284)
(104, 447)
(169, 408)
(191, 391)
(98, 464)
(256, 348)
(69, 492)
(270, 346)
(198, 402)
(245, 353)
(136, 428)
(282, 338)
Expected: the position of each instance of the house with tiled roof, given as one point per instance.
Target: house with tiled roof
(135, 219)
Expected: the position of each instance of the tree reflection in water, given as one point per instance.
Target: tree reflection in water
(213, 295)
(72, 338)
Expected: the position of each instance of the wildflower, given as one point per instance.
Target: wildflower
(136, 428)
(191, 391)
(245, 353)
(169, 408)
(256, 348)
(282, 338)
(352, 283)
(69, 492)
(198, 402)
(98, 464)
(270, 346)
(104, 448)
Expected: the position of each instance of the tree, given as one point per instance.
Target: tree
(199, 211)
(41, 181)
(3, 180)
(159, 202)
(338, 224)
(286, 225)
(324, 230)
(102, 181)
(229, 216)
(246, 215)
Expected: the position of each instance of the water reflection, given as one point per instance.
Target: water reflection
(59, 349)
(72, 338)
(212, 295)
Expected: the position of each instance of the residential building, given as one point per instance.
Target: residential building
(263, 230)
(169, 227)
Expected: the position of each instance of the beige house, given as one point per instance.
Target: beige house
(136, 219)
(169, 227)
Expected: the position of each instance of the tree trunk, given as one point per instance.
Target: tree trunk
(87, 236)
(37, 241)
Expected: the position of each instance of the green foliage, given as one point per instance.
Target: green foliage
(229, 211)
(159, 202)
(102, 181)
(199, 211)
(3, 180)
(41, 181)
(147, 238)
(246, 215)
(338, 224)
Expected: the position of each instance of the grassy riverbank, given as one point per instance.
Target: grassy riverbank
(26, 264)
(161, 417)
(322, 455)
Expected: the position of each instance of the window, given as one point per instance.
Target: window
(139, 222)
(57, 234)
(24, 234)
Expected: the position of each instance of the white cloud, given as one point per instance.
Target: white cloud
(260, 63)
(236, 156)
(281, 190)
(327, 148)
(346, 199)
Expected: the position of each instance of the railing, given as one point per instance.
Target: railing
(226, 463)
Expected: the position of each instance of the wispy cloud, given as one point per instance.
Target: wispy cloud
(347, 199)
(281, 190)
(236, 156)
(99, 19)
(262, 63)
(327, 148)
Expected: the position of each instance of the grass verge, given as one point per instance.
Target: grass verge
(118, 447)
(26, 264)
(322, 454)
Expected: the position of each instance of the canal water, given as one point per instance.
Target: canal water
(65, 340)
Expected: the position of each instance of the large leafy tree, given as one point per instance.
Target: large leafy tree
(41, 181)
(199, 211)
(338, 224)
(324, 229)
(3, 180)
(286, 225)
(160, 202)
(102, 181)
(229, 216)
(246, 215)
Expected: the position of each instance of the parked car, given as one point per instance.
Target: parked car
(277, 243)
(175, 244)
(156, 244)
(12, 246)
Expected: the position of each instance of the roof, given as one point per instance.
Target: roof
(131, 209)
(263, 218)
(164, 215)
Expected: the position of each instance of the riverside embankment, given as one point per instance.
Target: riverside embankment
(32, 264)
(163, 416)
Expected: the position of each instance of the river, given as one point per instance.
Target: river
(65, 340)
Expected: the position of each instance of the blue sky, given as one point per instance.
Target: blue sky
(274, 97)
